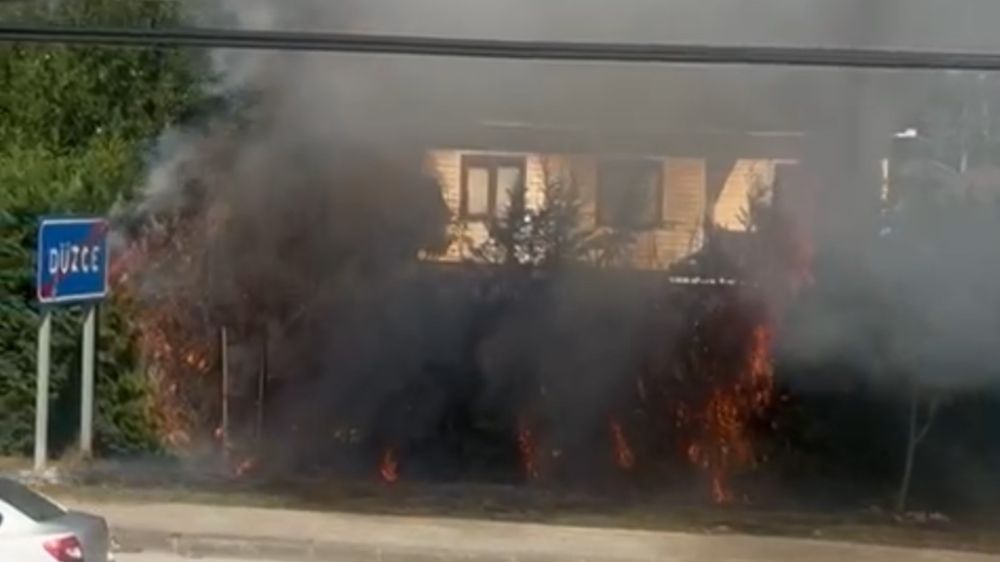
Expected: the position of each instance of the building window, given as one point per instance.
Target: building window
(630, 194)
(488, 183)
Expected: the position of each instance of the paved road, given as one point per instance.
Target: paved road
(153, 557)
(156, 557)
(279, 533)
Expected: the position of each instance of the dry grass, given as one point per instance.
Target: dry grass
(13, 464)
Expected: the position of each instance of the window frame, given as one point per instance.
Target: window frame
(656, 165)
(492, 163)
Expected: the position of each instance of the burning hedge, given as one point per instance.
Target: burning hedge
(346, 353)
(296, 227)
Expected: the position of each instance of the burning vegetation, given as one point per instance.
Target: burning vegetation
(291, 318)
(264, 357)
(624, 457)
(389, 467)
(721, 432)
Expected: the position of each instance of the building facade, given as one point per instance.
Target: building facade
(666, 204)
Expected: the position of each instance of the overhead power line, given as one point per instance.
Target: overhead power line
(509, 49)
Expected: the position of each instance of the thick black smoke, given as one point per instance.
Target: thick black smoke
(313, 207)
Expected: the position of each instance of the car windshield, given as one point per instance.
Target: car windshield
(34, 505)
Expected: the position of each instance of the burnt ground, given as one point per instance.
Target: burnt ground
(621, 508)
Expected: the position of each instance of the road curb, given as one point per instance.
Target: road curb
(136, 540)
(197, 546)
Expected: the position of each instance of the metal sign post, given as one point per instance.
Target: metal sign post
(72, 268)
(87, 382)
(42, 392)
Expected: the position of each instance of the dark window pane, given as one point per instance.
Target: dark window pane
(477, 191)
(27, 502)
(508, 181)
(629, 193)
(488, 182)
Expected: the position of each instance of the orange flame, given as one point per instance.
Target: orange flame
(528, 449)
(170, 337)
(725, 444)
(389, 468)
(624, 457)
(721, 493)
(247, 465)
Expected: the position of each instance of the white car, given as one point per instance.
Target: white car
(33, 528)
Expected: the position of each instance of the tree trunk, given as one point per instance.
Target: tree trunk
(911, 451)
(915, 434)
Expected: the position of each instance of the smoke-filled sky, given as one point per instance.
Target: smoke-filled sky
(963, 24)
(314, 205)
(321, 195)
(382, 103)
(456, 97)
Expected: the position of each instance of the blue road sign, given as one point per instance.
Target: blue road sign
(72, 260)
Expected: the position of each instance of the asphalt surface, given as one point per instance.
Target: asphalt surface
(213, 532)
(156, 557)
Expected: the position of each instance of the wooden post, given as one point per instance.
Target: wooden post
(262, 373)
(224, 365)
